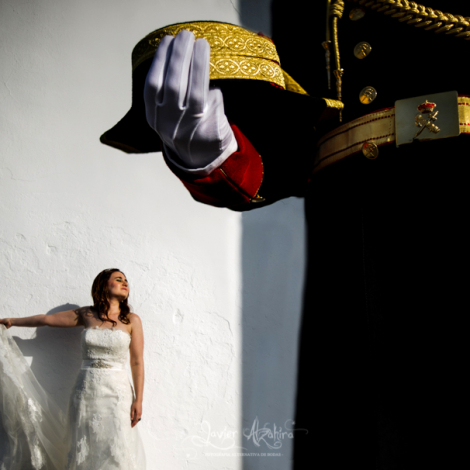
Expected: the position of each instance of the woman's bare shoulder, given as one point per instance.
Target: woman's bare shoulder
(135, 322)
(134, 318)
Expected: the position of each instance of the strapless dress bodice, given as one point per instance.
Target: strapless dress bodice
(105, 344)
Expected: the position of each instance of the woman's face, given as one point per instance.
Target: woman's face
(118, 286)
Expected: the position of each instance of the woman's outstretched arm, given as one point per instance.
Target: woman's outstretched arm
(66, 319)
(137, 367)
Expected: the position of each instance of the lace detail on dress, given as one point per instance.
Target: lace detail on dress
(105, 344)
(82, 450)
(33, 411)
(96, 423)
(37, 455)
(121, 455)
(117, 451)
(120, 394)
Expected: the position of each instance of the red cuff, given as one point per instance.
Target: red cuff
(236, 182)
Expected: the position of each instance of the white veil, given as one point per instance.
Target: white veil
(35, 425)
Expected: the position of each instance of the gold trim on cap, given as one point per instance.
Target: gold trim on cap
(292, 85)
(235, 51)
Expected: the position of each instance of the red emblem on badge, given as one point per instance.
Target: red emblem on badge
(426, 107)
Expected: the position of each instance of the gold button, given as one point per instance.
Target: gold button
(370, 150)
(362, 50)
(357, 13)
(367, 95)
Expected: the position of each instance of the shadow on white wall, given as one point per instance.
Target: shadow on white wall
(273, 265)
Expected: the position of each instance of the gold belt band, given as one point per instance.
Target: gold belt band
(378, 127)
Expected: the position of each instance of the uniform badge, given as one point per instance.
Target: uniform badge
(426, 117)
(430, 128)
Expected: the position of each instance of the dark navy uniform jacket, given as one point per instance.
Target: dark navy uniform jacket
(382, 359)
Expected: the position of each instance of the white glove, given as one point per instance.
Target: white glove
(187, 115)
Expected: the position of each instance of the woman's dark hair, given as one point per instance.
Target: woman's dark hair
(99, 292)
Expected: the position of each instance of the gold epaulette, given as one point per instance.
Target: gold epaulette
(421, 16)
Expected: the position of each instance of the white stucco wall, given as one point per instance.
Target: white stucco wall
(218, 292)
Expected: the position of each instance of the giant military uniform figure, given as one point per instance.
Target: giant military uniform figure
(381, 381)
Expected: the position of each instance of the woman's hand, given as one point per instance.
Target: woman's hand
(6, 322)
(136, 412)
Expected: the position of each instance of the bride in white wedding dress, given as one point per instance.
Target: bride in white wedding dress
(98, 432)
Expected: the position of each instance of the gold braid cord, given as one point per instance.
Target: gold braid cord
(336, 12)
(421, 16)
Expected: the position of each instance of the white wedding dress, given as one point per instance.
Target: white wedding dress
(95, 434)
